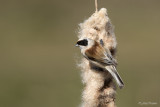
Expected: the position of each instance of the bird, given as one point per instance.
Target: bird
(95, 53)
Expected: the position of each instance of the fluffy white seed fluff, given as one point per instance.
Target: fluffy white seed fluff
(97, 27)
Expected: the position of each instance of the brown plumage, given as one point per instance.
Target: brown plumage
(96, 54)
(99, 54)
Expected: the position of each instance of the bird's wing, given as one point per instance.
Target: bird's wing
(109, 58)
(99, 54)
(112, 70)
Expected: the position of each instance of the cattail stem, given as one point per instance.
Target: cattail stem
(96, 6)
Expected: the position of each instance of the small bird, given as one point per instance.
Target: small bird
(97, 54)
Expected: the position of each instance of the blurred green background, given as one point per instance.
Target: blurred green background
(38, 57)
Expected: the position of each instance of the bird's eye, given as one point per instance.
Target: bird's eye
(83, 42)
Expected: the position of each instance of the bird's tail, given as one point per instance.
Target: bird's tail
(112, 70)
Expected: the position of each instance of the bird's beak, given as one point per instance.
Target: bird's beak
(76, 45)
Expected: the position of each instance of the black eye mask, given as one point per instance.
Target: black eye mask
(83, 42)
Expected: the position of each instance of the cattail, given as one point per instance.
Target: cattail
(99, 90)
